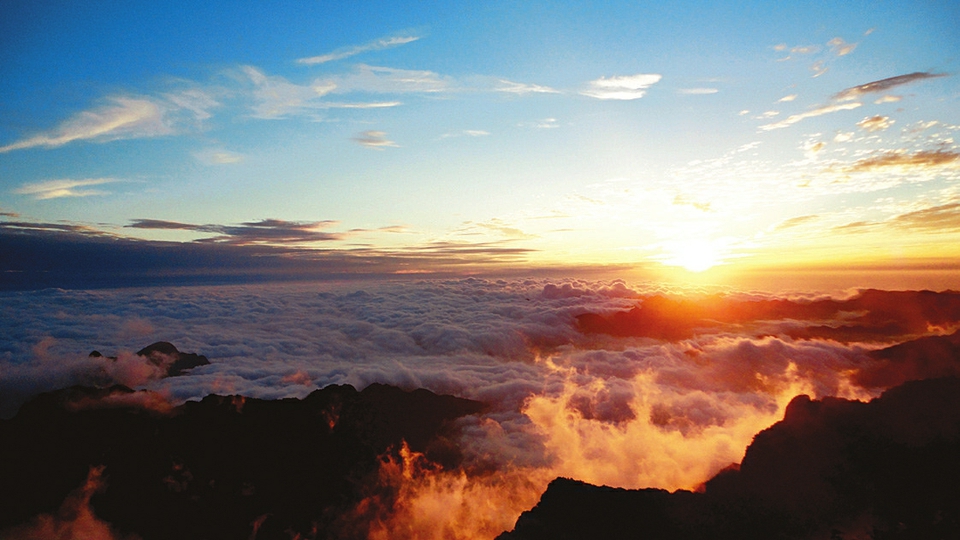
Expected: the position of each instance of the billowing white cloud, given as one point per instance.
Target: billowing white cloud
(65, 187)
(380, 44)
(623, 411)
(625, 87)
(123, 118)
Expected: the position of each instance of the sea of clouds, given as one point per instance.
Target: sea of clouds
(623, 411)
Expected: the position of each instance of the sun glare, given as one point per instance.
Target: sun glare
(695, 255)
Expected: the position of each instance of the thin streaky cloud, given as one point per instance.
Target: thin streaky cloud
(841, 47)
(466, 132)
(809, 114)
(919, 160)
(698, 91)
(277, 97)
(264, 232)
(940, 219)
(887, 99)
(818, 69)
(368, 105)
(522, 88)
(377, 45)
(884, 84)
(218, 157)
(784, 99)
(374, 139)
(805, 49)
(124, 118)
(796, 221)
(875, 123)
(377, 79)
(55, 189)
(195, 100)
(626, 87)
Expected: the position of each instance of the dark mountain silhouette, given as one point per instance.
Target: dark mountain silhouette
(165, 355)
(225, 467)
(922, 358)
(838, 469)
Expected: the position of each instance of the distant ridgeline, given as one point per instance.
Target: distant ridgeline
(831, 469)
(221, 468)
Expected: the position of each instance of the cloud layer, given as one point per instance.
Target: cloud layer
(661, 409)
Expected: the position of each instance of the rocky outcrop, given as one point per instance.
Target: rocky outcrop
(225, 467)
(830, 469)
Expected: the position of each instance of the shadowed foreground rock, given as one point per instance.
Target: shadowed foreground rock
(831, 469)
(224, 467)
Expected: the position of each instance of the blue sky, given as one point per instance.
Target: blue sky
(693, 134)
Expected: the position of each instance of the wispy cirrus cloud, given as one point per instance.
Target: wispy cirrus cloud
(793, 119)
(545, 123)
(277, 97)
(796, 222)
(122, 118)
(374, 139)
(195, 100)
(884, 84)
(218, 157)
(942, 218)
(922, 159)
(841, 47)
(377, 79)
(625, 87)
(466, 133)
(697, 91)
(340, 54)
(65, 187)
(267, 231)
(523, 88)
(875, 123)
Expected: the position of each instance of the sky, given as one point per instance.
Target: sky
(321, 138)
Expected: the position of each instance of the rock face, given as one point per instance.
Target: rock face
(832, 469)
(225, 467)
(165, 355)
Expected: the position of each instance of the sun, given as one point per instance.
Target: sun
(695, 255)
